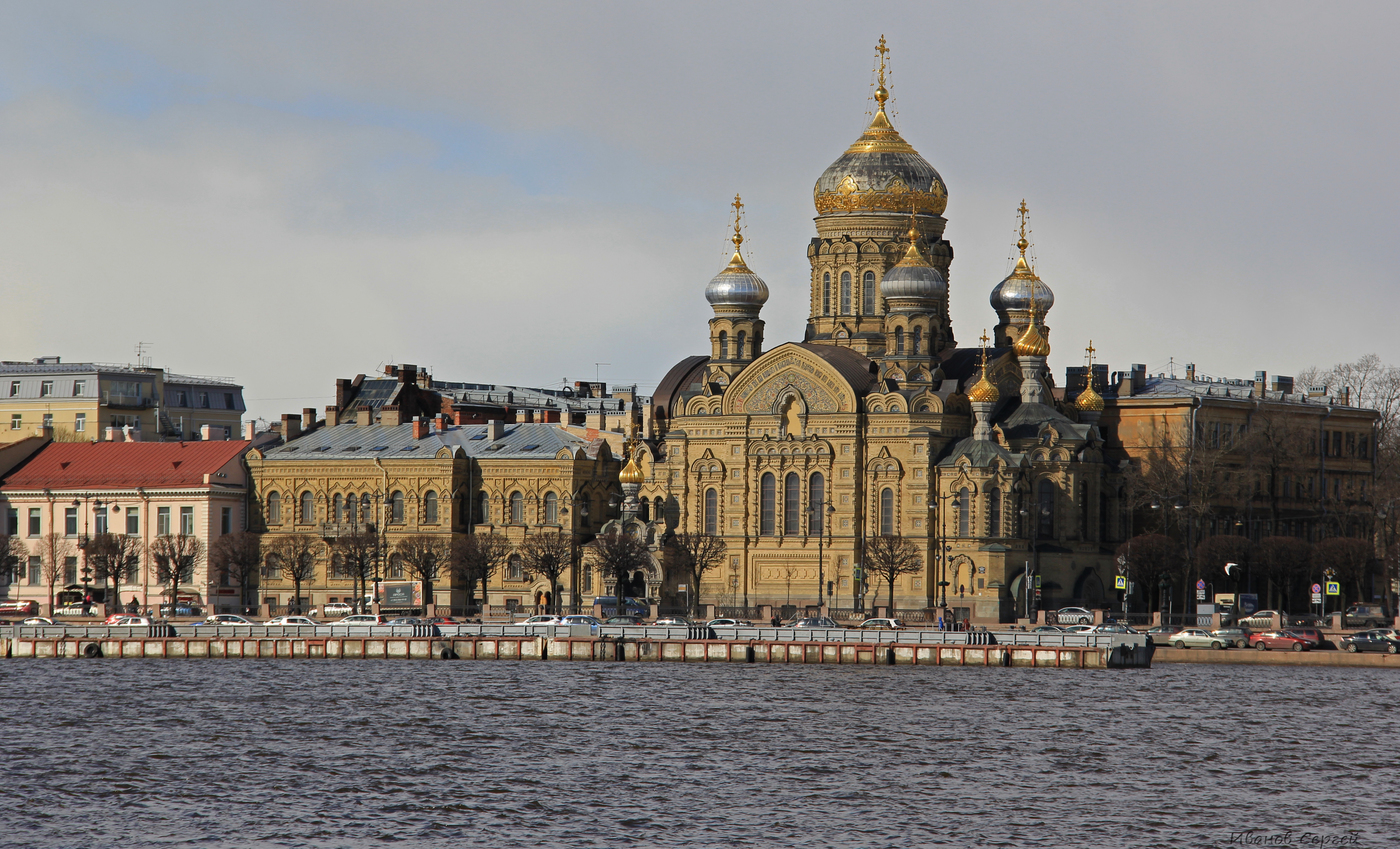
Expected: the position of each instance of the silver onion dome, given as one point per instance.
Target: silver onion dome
(912, 278)
(737, 286)
(1015, 292)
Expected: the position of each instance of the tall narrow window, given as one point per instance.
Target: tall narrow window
(711, 511)
(517, 508)
(994, 512)
(724, 344)
(366, 514)
(396, 506)
(70, 521)
(886, 512)
(551, 508)
(867, 293)
(99, 521)
(918, 344)
(516, 568)
(845, 293)
(899, 340)
(226, 520)
(964, 513)
(187, 521)
(816, 500)
(483, 510)
(80, 423)
(1046, 509)
(395, 566)
(308, 508)
(338, 506)
(430, 507)
(274, 508)
(826, 293)
(739, 342)
(162, 521)
(767, 504)
(792, 504)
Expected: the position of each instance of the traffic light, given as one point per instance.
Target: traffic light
(831, 588)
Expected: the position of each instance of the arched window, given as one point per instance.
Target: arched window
(338, 569)
(724, 344)
(994, 512)
(366, 515)
(551, 508)
(396, 507)
(867, 292)
(792, 505)
(515, 568)
(430, 507)
(395, 566)
(517, 508)
(845, 293)
(483, 508)
(826, 293)
(739, 341)
(339, 502)
(917, 345)
(711, 512)
(963, 505)
(308, 508)
(1083, 491)
(899, 340)
(816, 500)
(767, 504)
(274, 508)
(1046, 522)
(886, 512)
(659, 509)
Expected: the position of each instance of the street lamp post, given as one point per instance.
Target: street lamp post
(574, 587)
(822, 513)
(1035, 548)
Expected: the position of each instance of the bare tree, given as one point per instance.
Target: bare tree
(619, 554)
(1214, 552)
(115, 558)
(297, 555)
(359, 551)
(238, 559)
(892, 556)
(54, 551)
(697, 554)
(476, 557)
(1150, 559)
(13, 554)
(1350, 559)
(426, 557)
(1286, 560)
(546, 556)
(175, 557)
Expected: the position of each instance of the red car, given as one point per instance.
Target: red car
(28, 608)
(1278, 640)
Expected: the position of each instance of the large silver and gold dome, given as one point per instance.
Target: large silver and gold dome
(913, 278)
(881, 172)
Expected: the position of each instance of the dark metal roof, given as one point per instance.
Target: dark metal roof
(856, 368)
(397, 442)
(677, 381)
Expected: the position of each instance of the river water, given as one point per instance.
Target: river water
(130, 753)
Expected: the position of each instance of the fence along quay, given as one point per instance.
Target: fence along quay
(582, 643)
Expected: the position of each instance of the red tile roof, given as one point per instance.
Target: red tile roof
(65, 465)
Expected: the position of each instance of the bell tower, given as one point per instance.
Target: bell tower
(736, 295)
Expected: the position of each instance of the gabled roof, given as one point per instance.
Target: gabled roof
(980, 452)
(68, 465)
(520, 441)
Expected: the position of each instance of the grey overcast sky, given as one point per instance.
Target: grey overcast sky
(287, 193)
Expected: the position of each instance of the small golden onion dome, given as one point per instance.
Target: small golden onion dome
(983, 390)
(1089, 401)
(1032, 343)
(631, 473)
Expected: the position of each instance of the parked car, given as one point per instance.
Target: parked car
(882, 625)
(443, 620)
(1264, 619)
(1278, 640)
(1379, 639)
(1233, 638)
(625, 620)
(1364, 616)
(679, 621)
(134, 620)
(541, 620)
(582, 619)
(1306, 620)
(725, 622)
(28, 607)
(1196, 638)
(362, 619)
(181, 609)
(336, 608)
(1047, 629)
(225, 619)
(815, 622)
(1077, 629)
(1073, 616)
(78, 609)
(38, 620)
(407, 620)
(1162, 634)
(1113, 628)
(291, 620)
(1312, 635)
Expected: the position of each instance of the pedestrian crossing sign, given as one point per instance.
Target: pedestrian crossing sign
(1334, 587)
(1120, 582)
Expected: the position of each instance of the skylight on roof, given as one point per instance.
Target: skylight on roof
(530, 447)
(353, 448)
(497, 447)
(292, 447)
(380, 448)
(478, 436)
(324, 448)
(410, 448)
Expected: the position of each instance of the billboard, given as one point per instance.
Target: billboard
(401, 594)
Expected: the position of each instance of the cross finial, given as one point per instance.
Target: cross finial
(1089, 352)
(1023, 210)
(738, 237)
(984, 337)
(880, 93)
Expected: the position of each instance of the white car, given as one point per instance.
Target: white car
(729, 623)
(224, 619)
(1196, 638)
(1075, 615)
(134, 620)
(336, 608)
(1078, 629)
(291, 620)
(581, 619)
(541, 620)
(362, 619)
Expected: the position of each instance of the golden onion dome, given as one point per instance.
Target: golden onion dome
(1032, 343)
(631, 473)
(983, 390)
(1089, 401)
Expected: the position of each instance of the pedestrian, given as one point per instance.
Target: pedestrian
(133, 606)
(940, 622)
(967, 624)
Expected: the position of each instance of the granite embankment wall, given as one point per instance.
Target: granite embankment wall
(1246, 657)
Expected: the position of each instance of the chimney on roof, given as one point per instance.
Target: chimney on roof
(420, 427)
(1261, 379)
(1139, 376)
(308, 419)
(1317, 391)
(1283, 383)
(495, 429)
(390, 415)
(291, 427)
(524, 416)
(459, 417)
(250, 430)
(408, 373)
(439, 423)
(1191, 371)
(332, 415)
(114, 434)
(364, 417)
(342, 393)
(44, 431)
(206, 432)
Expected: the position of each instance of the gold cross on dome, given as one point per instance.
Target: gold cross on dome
(984, 337)
(882, 50)
(1089, 352)
(738, 237)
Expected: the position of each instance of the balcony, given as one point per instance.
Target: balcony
(125, 402)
